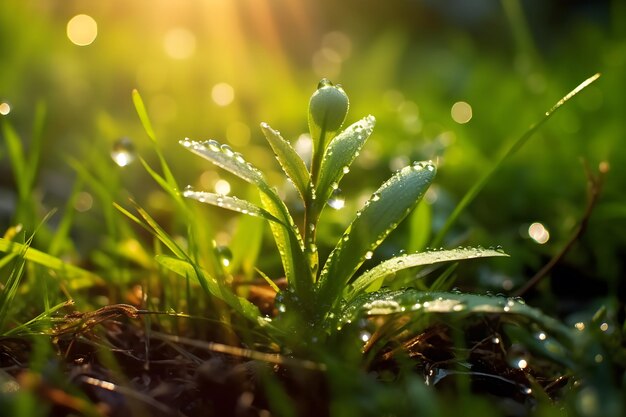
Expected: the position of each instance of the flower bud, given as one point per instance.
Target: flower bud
(328, 108)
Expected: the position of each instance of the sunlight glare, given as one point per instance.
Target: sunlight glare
(82, 30)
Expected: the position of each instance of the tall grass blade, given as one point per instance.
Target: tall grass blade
(507, 151)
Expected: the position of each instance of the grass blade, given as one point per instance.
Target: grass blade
(33, 255)
(288, 159)
(506, 152)
(188, 269)
(341, 152)
(393, 201)
(143, 115)
(399, 263)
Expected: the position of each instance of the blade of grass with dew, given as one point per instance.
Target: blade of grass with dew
(291, 163)
(410, 301)
(506, 152)
(399, 263)
(339, 155)
(387, 207)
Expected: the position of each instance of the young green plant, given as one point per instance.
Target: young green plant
(316, 296)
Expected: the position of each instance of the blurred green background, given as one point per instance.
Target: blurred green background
(450, 81)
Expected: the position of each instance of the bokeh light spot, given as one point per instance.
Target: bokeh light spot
(84, 202)
(223, 94)
(222, 187)
(179, 43)
(82, 30)
(5, 108)
(461, 112)
(538, 233)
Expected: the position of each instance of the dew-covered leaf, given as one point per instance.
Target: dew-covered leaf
(339, 154)
(187, 269)
(224, 157)
(398, 263)
(230, 203)
(290, 247)
(414, 302)
(288, 158)
(389, 205)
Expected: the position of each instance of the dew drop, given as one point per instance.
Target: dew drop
(541, 336)
(345, 169)
(226, 150)
(375, 197)
(224, 255)
(334, 186)
(213, 145)
(336, 200)
(365, 336)
(239, 157)
(123, 152)
(369, 254)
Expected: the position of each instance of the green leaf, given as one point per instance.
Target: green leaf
(289, 160)
(338, 157)
(187, 269)
(393, 201)
(291, 250)
(230, 203)
(224, 157)
(399, 263)
(413, 302)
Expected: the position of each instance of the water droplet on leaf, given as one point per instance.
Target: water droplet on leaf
(336, 200)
